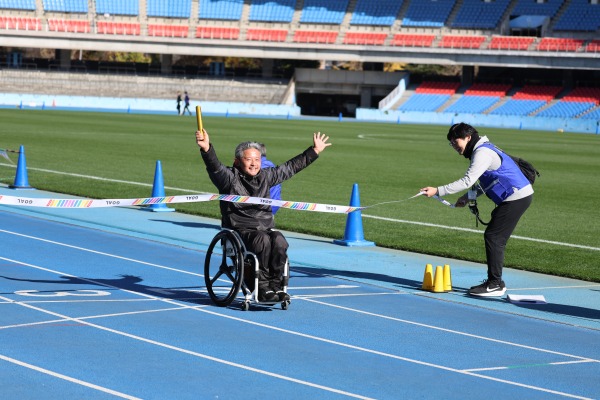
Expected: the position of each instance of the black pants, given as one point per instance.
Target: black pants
(504, 220)
(270, 248)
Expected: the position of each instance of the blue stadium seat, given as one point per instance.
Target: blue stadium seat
(472, 104)
(169, 8)
(433, 13)
(594, 114)
(324, 12)
(118, 7)
(68, 6)
(518, 107)
(529, 7)
(581, 15)
(271, 11)
(382, 12)
(424, 102)
(221, 9)
(18, 4)
(477, 14)
(565, 109)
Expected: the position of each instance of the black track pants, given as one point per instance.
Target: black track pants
(270, 248)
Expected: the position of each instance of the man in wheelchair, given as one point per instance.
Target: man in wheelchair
(254, 222)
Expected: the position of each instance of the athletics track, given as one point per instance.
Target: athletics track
(110, 303)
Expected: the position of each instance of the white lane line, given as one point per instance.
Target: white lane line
(531, 365)
(182, 350)
(456, 228)
(68, 378)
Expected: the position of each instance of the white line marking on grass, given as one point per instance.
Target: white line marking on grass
(67, 378)
(456, 228)
(364, 215)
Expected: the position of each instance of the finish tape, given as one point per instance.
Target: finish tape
(191, 198)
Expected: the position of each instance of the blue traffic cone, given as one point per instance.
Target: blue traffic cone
(353, 235)
(158, 190)
(21, 180)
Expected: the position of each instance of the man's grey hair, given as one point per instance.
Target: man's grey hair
(239, 150)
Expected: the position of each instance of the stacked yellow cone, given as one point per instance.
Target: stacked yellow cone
(438, 283)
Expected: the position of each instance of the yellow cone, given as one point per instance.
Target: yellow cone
(438, 281)
(447, 279)
(428, 278)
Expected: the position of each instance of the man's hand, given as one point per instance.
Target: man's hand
(429, 191)
(320, 142)
(202, 140)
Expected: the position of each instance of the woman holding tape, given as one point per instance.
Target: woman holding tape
(503, 182)
(254, 222)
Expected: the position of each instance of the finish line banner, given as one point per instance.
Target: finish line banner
(194, 198)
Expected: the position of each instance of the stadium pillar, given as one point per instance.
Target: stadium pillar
(166, 64)
(64, 58)
(267, 67)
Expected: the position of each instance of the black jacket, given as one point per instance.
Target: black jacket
(231, 180)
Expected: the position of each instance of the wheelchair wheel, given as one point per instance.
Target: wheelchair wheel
(224, 267)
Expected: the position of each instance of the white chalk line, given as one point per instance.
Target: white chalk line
(364, 215)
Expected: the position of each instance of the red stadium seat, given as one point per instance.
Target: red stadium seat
(365, 38)
(488, 89)
(327, 37)
(560, 44)
(448, 88)
(168, 30)
(217, 32)
(408, 40)
(118, 28)
(593, 46)
(537, 92)
(266, 35)
(20, 23)
(461, 42)
(510, 43)
(68, 25)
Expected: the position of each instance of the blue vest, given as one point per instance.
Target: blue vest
(498, 185)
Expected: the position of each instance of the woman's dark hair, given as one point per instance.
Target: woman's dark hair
(460, 131)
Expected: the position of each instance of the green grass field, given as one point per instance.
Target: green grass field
(388, 161)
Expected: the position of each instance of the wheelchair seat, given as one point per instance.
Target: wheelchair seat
(229, 268)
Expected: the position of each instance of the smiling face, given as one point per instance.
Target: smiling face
(249, 163)
(459, 144)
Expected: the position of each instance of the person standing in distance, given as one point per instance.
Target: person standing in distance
(503, 182)
(275, 191)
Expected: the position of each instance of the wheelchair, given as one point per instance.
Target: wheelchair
(229, 268)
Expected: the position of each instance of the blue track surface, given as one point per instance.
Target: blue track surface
(111, 303)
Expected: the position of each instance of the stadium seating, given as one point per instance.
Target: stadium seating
(430, 87)
(518, 107)
(408, 40)
(118, 28)
(315, 12)
(461, 42)
(424, 102)
(365, 38)
(560, 44)
(566, 109)
(20, 23)
(428, 13)
(510, 43)
(528, 7)
(168, 30)
(594, 114)
(472, 104)
(537, 92)
(488, 89)
(67, 6)
(270, 11)
(581, 15)
(18, 4)
(266, 35)
(169, 8)
(118, 7)
(478, 14)
(68, 25)
(593, 46)
(381, 12)
(218, 9)
(214, 32)
(327, 37)
(584, 95)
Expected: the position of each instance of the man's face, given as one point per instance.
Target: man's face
(249, 163)
(460, 144)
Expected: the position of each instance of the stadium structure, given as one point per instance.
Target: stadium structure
(522, 63)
